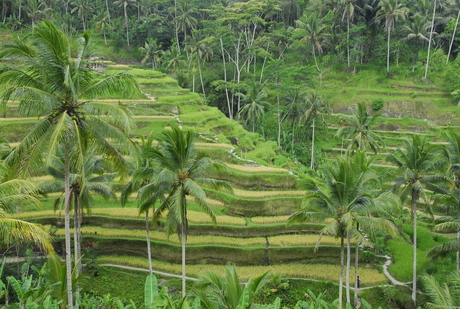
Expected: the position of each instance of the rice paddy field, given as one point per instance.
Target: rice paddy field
(252, 218)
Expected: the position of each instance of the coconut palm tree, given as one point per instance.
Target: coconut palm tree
(315, 107)
(417, 164)
(443, 295)
(450, 201)
(124, 4)
(152, 53)
(56, 83)
(182, 170)
(390, 10)
(14, 194)
(254, 104)
(346, 198)
(82, 7)
(314, 30)
(357, 127)
(348, 8)
(185, 19)
(417, 28)
(228, 291)
(103, 24)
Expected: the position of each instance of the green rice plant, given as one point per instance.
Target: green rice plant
(212, 145)
(269, 220)
(257, 169)
(193, 216)
(266, 194)
(328, 272)
(403, 256)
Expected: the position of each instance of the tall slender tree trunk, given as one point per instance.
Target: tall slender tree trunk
(348, 42)
(127, 27)
(453, 37)
(414, 274)
(388, 49)
(357, 301)
(176, 30)
(312, 163)
(229, 105)
(107, 7)
(77, 243)
(458, 239)
(342, 258)
(201, 78)
(347, 276)
(68, 251)
(147, 235)
(429, 43)
(183, 240)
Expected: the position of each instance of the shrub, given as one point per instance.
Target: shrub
(377, 104)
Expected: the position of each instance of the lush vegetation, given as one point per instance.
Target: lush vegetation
(256, 62)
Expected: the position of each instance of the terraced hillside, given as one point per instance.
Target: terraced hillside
(251, 230)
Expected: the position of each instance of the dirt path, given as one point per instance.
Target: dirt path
(146, 270)
(390, 277)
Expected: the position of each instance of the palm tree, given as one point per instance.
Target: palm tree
(124, 4)
(417, 27)
(228, 291)
(175, 60)
(314, 29)
(450, 201)
(103, 23)
(390, 10)
(348, 7)
(345, 197)
(185, 19)
(183, 172)
(254, 106)
(59, 88)
(148, 191)
(417, 162)
(82, 7)
(14, 194)
(430, 40)
(152, 53)
(358, 128)
(442, 295)
(203, 51)
(83, 186)
(316, 107)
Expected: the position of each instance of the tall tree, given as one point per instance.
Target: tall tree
(14, 194)
(59, 87)
(348, 8)
(417, 28)
(182, 170)
(417, 164)
(357, 127)
(315, 107)
(390, 10)
(124, 4)
(314, 29)
(253, 103)
(344, 197)
(82, 7)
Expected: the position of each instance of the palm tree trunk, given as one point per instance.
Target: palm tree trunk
(414, 277)
(453, 37)
(312, 163)
(347, 278)
(149, 250)
(229, 105)
(77, 243)
(429, 43)
(107, 7)
(342, 254)
(127, 28)
(357, 302)
(458, 239)
(388, 49)
(201, 78)
(183, 239)
(348, 42)
(68, 252)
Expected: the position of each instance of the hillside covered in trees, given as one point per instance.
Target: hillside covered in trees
(309, 82)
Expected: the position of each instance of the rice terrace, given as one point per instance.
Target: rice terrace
(245, 164)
